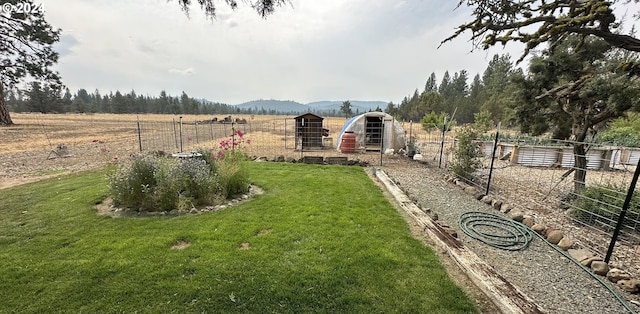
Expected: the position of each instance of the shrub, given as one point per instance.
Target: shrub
(131, 183)
(623, 131)
(467, 157)
(601, 205)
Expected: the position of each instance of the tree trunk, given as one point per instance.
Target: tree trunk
(580, 166)
(5, 118)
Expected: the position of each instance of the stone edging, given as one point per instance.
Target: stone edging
(556, 237)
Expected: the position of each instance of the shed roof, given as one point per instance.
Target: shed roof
(309, 115)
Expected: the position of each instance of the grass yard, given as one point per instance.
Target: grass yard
(322, 239)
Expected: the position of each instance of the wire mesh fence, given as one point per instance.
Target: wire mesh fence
(581, 190)
(539, 175)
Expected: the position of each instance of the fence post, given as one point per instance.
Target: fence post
(139, 134)
(444, 129)
(175, 135)
(382, 141)
(493, 158)
(623, 211)
(196, 126)
(180, 133)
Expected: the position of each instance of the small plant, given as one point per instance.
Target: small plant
(227, 163)
(433, 121)
(600, 206)
(467, 157)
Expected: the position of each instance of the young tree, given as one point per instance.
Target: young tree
(26, 41)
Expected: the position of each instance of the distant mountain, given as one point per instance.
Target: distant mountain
(271, 105)
(289, 106)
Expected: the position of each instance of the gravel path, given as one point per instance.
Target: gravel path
(555, 283)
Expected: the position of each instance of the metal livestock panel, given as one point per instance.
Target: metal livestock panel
(533, 156)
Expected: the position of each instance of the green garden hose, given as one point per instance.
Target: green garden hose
(495, 231)
(506, 234)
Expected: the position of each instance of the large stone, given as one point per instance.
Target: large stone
(497, 204)
(461, 184)
(565, 244)
(587, 262)
(505, 208)
(629, 285)
(600, 268)
(538, 228)
(580, 254)
(471, 190)
(555, 236)
(528, 221)
(516, 215)
(615, 275)
(487, 199)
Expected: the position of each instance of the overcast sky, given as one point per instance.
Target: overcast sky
(310, 51)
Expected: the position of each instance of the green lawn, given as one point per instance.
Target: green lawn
(322, 239)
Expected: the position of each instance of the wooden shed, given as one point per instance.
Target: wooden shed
(309, 131)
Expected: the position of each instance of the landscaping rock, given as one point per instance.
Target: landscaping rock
(587, 262)
(505, 208)
(487, 199)
(565, 244)
(479, 195)
(528, 221)
(471, 190)
(461, 184)
(600, 268)
(538, 228)
(516, 215)
(555, 236)
(615, 275)
(630, 285)
(580, 254)
(497, 204)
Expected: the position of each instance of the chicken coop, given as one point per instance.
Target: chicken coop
(309, 132)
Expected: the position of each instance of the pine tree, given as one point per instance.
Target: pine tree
(26, 43)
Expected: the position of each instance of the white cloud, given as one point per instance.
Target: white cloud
(187, 71)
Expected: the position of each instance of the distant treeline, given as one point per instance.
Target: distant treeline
(38, 98)
(43, 99)
(456, 95)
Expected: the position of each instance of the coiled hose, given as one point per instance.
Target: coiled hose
(507, 234)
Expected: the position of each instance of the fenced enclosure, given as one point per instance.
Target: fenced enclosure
(538, 175)
(529, 172)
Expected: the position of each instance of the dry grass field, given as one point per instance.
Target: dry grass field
(45, 145)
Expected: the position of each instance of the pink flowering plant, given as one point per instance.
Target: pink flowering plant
(227, 160)
(233, 146)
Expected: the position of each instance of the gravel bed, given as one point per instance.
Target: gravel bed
(555, 283)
